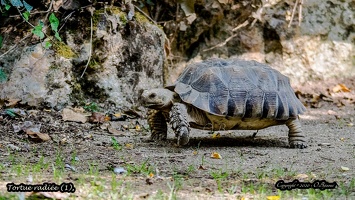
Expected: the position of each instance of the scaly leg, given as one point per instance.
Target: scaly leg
(179, 123)
(295, 137)
(157, 124)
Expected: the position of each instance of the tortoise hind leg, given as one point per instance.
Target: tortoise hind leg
(179, 123)
(157, 124)
(295, 137)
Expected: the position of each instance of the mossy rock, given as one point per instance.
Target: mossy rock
(63, 50)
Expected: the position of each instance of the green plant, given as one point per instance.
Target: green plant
(58, 166)
(191, 169)
(175, 186)
(144, 168)
(40, 165)
(1, 39)
(115, 144)
(93, 170)
(73, 158)
(36, 29)
(177, 178)
(91, 107)
(54, 24)
(218, 176)
(115, 184)
(232, 189)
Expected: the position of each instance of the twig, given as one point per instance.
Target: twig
(240, 26)
(87, 64)
(24, 17)
(14, 46)
(141, 11)
(157, 13)
(300, 13)
(65, 20)
(50, 7)
(231, 37)
(293, 14)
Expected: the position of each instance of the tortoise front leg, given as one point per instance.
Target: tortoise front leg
(179, 123)
(157, 124)
(295, 137)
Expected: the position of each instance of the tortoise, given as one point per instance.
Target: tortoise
(224, 94)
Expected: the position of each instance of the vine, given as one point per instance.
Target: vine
(24, 9)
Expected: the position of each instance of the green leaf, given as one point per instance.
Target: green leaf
(37, 30)
(16, 3)
(27, 6)
(57, 36)
(26, 15)
(1, 41)
(47, 45)
(3, 76)
(7, 6)
(54, 22)
(10, 112)
(150, 2)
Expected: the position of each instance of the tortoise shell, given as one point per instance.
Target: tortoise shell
(237, 88)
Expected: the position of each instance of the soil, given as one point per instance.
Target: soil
(328, 124)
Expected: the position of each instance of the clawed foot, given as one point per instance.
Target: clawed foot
(158, 137)
(298, 145)
(179, 123)
(182, 135)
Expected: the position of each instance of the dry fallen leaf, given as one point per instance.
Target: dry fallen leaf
(70, 115)
(301, 176)
(79, 109)
(114, 131)
(129, 145)
(195, 153)
(118, 117)
(331, 112)
(12, 102)
(340, 88)
(138, 128)
(273, 197)
(216, 155)
(107, 118)
(216, 135)
(37, 135)
(202, 167)
(97, 118)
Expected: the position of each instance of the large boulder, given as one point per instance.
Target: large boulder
(319, 47)
(127, 56)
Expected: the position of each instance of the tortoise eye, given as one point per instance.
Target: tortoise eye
(153, 95)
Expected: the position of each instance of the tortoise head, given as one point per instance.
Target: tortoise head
(159, 99)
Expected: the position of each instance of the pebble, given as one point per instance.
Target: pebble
(119, 170)
(13, 147)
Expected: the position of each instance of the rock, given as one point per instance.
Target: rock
(322, 47)
(126, 58)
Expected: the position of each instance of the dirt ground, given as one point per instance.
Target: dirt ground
(328, 125)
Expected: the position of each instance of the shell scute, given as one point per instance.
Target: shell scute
(238, 88)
